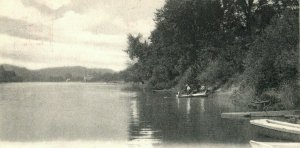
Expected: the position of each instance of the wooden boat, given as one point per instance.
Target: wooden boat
(256, 144)
(284, 113)
(200, 94)
(277, 129)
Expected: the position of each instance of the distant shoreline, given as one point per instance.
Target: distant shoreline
(11, 73)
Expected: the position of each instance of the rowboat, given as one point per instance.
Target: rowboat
(199, 94)
(256, 144)
(238, 115)
(277, 129)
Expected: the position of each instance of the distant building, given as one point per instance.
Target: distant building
(87, 78)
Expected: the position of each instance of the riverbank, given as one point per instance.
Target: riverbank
(242, 99)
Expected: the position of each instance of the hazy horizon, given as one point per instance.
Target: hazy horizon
(92, 33)
(58, 67)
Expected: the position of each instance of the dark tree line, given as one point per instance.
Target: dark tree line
(8, 76)
(217, 42)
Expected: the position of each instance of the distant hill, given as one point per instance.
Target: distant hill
(76, 71)
(56, 73)
(26, 74)
(8, 76)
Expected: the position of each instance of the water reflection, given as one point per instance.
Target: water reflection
(141, 130)
(134, 112)
(72, 111)
(188, 106)
(163, 118)
(202, 105)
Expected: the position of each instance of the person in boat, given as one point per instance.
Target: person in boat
(203, 88)
(198, 88)
(188, 89)
(194, 89)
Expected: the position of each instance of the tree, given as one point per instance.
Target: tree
(273, 58)
(212, 42)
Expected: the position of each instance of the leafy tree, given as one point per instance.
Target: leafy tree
(213, 42)
(273, 58)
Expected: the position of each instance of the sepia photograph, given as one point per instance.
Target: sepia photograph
(149, 74)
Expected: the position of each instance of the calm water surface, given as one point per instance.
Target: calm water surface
(32, 112)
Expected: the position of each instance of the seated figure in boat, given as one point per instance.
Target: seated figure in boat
(199, 88)
(203, 88)
(193, 89)
(187, 90)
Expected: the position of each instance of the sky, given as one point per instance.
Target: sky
(52, 33)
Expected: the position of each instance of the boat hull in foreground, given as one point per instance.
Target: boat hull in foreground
(256, 144)
(284, 113)
(277, 129)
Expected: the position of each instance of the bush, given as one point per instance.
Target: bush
(289, 95)
(243, 96)
(218, 72)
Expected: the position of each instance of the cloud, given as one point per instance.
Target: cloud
(15, 56)
(91, 33)
(38, 54)
(41, 7)
(23, 29)
(107, 28)
(57, 8)
(53, 9)
(127, 16)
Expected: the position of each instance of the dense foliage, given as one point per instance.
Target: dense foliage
(216, 42)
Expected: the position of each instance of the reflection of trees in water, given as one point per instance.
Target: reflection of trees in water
(155, 118)
(218, 129)
(134, 112)
(159, 118)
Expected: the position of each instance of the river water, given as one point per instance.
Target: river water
(99, 112)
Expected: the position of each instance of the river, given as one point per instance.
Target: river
(99, 112)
